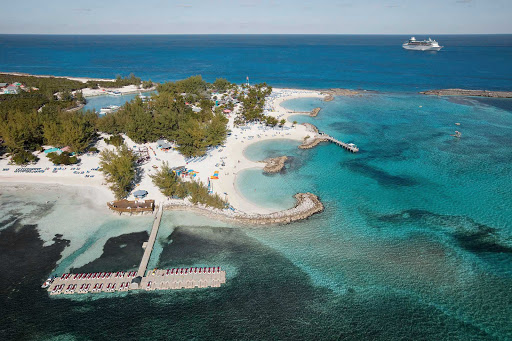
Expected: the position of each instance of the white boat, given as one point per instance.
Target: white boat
(142, 97)
(422, 45)
(114, 93)
(48, 282)
(109, 109)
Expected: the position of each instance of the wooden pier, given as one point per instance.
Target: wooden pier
(168, 279)
(151, 242)
(348, 146)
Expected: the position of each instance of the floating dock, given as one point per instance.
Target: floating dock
(157, 279)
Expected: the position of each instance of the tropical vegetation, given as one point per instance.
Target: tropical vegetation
(119, 168)
(171, 185)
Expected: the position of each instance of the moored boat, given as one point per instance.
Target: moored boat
(48, 282)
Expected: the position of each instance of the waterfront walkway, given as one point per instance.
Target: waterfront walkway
(151, 242)
(157, 279)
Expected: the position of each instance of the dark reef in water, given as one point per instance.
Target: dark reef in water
(266, 297)
(119, 254)
(381, 176)
(470, 235)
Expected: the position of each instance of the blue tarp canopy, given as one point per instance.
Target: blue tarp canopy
(53, 150)
(140, 193)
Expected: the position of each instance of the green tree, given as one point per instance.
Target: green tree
(119, 169)
(23, 157)
(168, 182)
(221, 84)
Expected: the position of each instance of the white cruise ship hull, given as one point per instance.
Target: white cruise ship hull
(422, 48)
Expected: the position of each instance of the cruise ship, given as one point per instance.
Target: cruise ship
(422, 45)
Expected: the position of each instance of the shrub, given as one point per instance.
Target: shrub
(63, 158)
(115, 140)
(23, 157)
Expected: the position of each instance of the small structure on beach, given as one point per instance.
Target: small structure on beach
(163, 144)
(131, 206)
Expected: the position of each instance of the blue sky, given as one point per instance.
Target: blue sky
(256, 16)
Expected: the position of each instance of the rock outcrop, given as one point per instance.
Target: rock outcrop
(463, 92)
(274, 165)
(312, 142)
(315, 112)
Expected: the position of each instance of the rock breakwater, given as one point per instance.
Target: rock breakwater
(307, 205)
(312, 142)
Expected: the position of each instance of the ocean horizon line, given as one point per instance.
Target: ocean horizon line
(255, 34)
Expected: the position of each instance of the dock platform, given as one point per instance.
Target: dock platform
(158, 279)
(348, 146)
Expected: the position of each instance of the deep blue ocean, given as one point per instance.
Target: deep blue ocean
(372, 62)
(415, 242)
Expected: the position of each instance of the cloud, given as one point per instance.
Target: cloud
(391, 6)
(463, 1)
(184, 5)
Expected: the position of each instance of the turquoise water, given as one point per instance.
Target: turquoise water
(98, 102)
(414, 242)
(416, 214)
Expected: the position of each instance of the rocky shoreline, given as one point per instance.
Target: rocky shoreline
(307, 205)
(312, 142)
(463, 92)
(338, 92)
(314, 112)
(274, 165)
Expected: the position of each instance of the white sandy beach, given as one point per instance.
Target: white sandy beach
(232, 153)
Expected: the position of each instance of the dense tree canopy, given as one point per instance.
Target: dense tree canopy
(119, 169)
(194, 85)
(168, 116)
(253, 103)
(172, 186)
(221, 85)
(118, 83)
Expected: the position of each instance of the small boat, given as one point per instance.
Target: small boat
(109, 109)
(457, 124)
(142, 97)
(457, 134)
(48, 282)
(114, 93)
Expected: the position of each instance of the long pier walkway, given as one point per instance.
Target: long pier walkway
(157, 279)
(151, 242)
